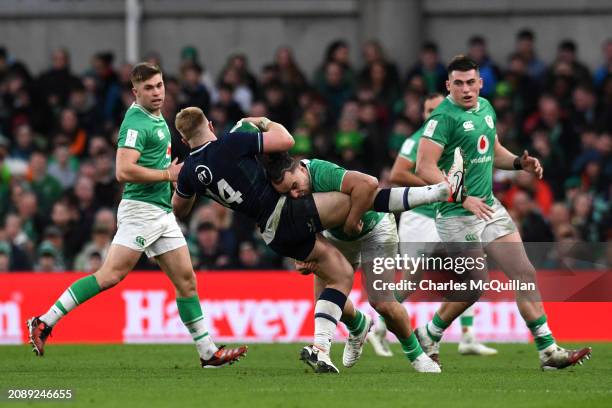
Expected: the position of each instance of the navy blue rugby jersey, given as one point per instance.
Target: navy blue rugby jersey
(228, 171)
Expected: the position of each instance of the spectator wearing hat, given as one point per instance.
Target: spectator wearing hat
(49, 258)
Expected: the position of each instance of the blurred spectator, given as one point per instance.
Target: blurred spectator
(17, 243)
(189, 56)
(289, 73)
(48, 258)
(582, 217)
(584, 105)
(46, 187)
(54, 86)
(24, 143)
(383, 87)
(278, 105)
(567, 53)
(539, 190)
(430, 68)
(375, 139)
(373, 53)
(529, 220)
(227, 102)
(99, 244)
(349, 144)
(5, 257)
(64, 225)
(240, 63)
(69, 128)
(489, 72)
(209, 251)
(337, 52)
(525, 49)
(335, 88)
(193, 91)
(402, 129)
(32, 220)
(549, 117)
(107, 189)
(552, 158)
(249, 257)
(63, 166)
(605, 68)
(107, 90)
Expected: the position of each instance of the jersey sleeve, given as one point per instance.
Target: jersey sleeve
(184, 188)
(438, 128)
(244, 143)
(409, 149)
(132, 136)
(326, 176)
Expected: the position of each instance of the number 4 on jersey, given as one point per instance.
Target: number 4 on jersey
(227, 195)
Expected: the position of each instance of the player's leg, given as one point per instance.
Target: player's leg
(468, 345)
(118, 263)
(509, 253)
(382, 241)
(172, 255)
(337, 273)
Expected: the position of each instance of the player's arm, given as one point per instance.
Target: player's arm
(127, 171)
(184, 196)
(276, 138)
(427, 161)
(402, 175)
(181, 207)
(506, 160)
(362, 188)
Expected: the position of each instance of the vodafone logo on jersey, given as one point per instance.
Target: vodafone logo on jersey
(483, 144)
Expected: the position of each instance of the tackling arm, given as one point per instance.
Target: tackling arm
(275, 137)
(362, 188)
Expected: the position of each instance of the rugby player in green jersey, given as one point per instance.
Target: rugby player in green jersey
(374, 235)
(464, 125)
(417, 231)
(145, 224)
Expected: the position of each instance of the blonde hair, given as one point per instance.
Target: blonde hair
(189, 120)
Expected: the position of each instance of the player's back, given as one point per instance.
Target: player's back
(228, 171)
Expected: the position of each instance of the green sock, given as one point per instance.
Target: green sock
(466, 321)
(436, 327)
(356, 325)
(191, 314)
(541, 332)
(80, 291)
(411, 347)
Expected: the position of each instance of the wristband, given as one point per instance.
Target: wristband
(517, 163)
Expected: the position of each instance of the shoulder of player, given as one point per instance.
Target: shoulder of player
(484, 103)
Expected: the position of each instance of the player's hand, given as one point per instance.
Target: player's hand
(531, 164)
(353, 229)
(306, 268)
(478, 207)
(174, 169)
(261, 122)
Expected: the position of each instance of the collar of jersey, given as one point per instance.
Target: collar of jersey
(146, 112)
(473, 110)
(199, 149)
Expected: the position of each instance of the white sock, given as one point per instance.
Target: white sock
(55, 313)
(428, 194)
(204, 344)
(327, 315)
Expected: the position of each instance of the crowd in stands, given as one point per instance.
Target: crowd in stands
(58, 132)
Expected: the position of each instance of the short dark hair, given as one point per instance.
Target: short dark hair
(277, 164)
(567, 45)
(430, 46)
(143, 71)
(525, 34)
(461, 63)
(433, 95)
(477, 40)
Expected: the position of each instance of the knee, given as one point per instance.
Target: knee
(107, 278)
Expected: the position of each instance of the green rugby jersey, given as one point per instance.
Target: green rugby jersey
(472, 130)
(149, 134)
(409, 151)
(325, 177)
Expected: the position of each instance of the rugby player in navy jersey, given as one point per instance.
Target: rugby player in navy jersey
(228, 170)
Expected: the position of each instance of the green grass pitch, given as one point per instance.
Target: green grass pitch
(272, 376)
